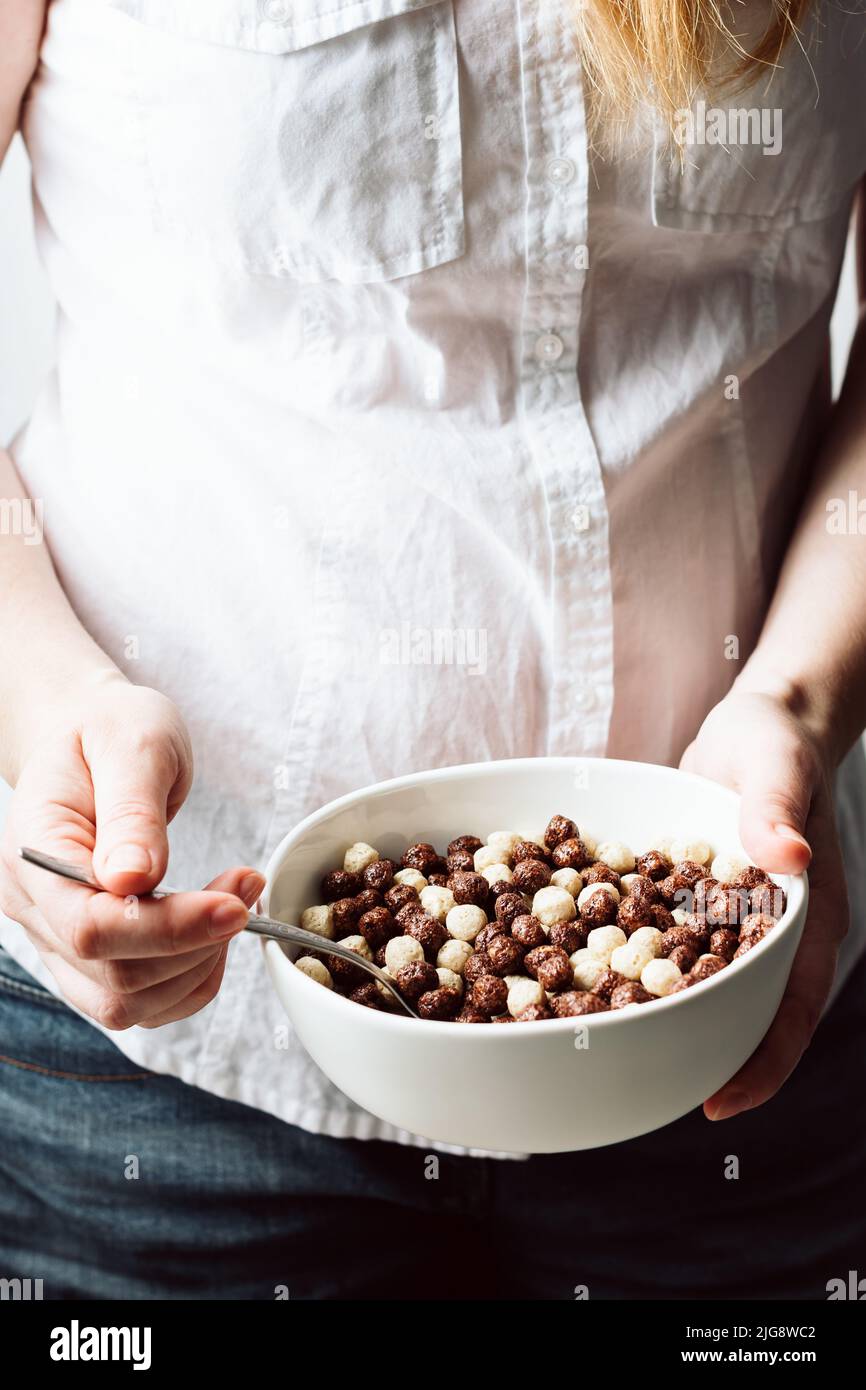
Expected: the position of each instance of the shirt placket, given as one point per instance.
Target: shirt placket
(558, 434)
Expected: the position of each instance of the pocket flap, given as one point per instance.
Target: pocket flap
(264, 26)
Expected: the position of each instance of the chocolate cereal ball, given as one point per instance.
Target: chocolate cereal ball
(460, 862)
(530, 875)
(555, 971)
(470, 888)
(726, 906)
(535, 1013)
(683, 957)
(528, 931)
(477, 965)
(398, 896)
(643, 890)
(575, 1002)
(599, 910)
(607, 982)
(509, 906)
(504, 956)
(489, 995)
(368, 995)
(662, 919)
(632, 992)
(601, 873)
(559, 828)
(527, 849)
(724, 943)
(467, 843)
(340, 884)
(568, 936)
(369, 898)
(379, 874)
(706, 966)
(633, 913)
(429, 933)
(415, 979)
(570, 854)
(377, 927)
(534, 958)
(422, 857)
(486, 934)
(440, 1004)
(653, 865)
(750, 878)
(346, 912)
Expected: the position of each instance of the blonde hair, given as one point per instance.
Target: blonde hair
(661, 53)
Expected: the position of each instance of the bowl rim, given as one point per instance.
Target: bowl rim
(797, 891)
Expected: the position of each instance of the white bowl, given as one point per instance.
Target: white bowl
(542, 1087)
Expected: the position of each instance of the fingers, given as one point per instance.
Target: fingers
(116, 1011)
(247, 884)
(112, 928)
(775, 801)
(131, 787)
(808, 986)
(197, 998)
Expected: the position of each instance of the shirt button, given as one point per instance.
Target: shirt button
(548, 347)
(559, 170)
(584, 698)
(278, 11)
(580, 517)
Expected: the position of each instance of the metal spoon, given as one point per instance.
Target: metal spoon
(262, 926)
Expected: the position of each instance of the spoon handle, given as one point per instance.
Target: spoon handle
(261, 926)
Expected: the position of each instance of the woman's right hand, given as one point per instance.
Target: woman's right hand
(99, 789)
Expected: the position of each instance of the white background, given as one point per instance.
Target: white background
(26, 310)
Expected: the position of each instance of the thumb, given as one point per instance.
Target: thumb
(131, 787)
(775, 803)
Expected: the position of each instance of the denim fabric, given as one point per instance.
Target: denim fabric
(231, 1203)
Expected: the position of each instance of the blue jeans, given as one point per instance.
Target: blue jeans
(117, 1183)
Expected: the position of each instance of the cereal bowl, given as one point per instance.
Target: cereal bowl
(546, 1086)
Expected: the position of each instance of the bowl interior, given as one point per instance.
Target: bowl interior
(612, 800)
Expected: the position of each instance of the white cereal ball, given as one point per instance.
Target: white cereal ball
(551, 905)
(358, 856)
(590, 844)
(358, 945)
(316, 969)
(437, 901)
(680, 916)
(484, 857)
(616, 856)
(569, 879)
(503, 841)
(449, 979)
(465, 921)
(660, 975)
(400, 951)
(587, 892)
(649, 938)
(587, 967)
(411, 878)
(320, 920)
(661, 843)
(522, 994)
(725, 867)
(454, 955)
(512, 980)
(602, 941)
(627, 882)
(698, 851)
(631, 958)
(497, 873)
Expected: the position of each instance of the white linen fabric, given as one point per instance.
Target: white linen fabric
(359, 345)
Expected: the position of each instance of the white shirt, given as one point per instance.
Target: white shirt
(357, 347)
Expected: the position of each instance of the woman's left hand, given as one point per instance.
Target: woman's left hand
(753, 743)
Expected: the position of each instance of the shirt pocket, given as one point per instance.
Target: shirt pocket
(312, 140)
(788, 150)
